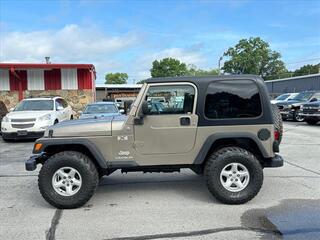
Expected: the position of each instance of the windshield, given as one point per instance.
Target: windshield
(100, 108)
(303, 96)
(35, 105)
(135, 104)
(282, 97)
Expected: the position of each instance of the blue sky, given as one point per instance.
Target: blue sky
(127, 36)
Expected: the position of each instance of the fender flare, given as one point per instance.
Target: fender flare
(217, 136)
(101, 161)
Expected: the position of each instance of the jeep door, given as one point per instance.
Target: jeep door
(170, 124)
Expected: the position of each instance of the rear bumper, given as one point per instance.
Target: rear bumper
(31, 163)
(276, 161)
(27, 135)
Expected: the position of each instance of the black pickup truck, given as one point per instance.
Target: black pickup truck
(311, 112)
(291, 109)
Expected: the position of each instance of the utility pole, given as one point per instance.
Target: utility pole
(219, 62)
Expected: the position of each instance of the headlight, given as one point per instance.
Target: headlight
(289, 106)
(46, 117)
(5, 119)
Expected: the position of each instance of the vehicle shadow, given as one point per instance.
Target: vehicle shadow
(190, 186)
(17, 140)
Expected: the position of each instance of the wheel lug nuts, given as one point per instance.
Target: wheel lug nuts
(64, 177)
(68, 185)
(71, 181)
(238, 175)
(230, 175)
(63, 182)
(69, 177)
(236, 180)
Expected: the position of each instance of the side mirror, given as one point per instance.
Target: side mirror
(59, 108)
(314, 100)
(121, 111)
(145, 109)
(11, 109)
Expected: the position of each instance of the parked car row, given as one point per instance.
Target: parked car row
(299, 107)
(32, 116)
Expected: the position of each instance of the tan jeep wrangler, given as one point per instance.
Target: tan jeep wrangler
(221, 127)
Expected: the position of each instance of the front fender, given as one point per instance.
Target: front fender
(56, 142)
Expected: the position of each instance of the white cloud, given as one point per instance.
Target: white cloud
(76, 44)
(71, 43)
(184, 55)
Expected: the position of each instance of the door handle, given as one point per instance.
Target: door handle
(185, 121)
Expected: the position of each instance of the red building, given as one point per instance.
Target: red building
(75, 82)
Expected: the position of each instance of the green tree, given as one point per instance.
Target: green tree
(116, 78)
(194, 71)
(141, 81)
(254, 56)
(168, 67)
(307, 69)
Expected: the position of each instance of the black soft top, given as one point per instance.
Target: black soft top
(202, 85)
(198, 80)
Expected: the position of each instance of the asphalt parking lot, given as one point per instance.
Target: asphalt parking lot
(169, 206)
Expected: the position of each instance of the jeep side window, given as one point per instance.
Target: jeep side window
(232, 99)
(170, 99)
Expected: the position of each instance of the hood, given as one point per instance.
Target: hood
(312, 104)
(86, 127)
(27, 114)
(98, 115)
(290, 102)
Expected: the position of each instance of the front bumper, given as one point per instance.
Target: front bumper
(25, 135)
(287, 113)
(276, 161)
(31, 163)
(316, 115)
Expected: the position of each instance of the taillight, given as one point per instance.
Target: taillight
(276, 135)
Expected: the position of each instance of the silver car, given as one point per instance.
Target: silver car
(101, 109)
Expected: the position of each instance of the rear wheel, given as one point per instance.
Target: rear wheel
(68, 179)
(233, 175)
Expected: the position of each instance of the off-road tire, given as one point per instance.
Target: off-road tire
(221, 158)
(312, 121)
(278, 124)
(83, 165)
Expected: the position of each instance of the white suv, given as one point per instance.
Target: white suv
(31, 117)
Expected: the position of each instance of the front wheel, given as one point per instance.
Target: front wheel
(297, 117)
(233, 175)
(68, 179)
